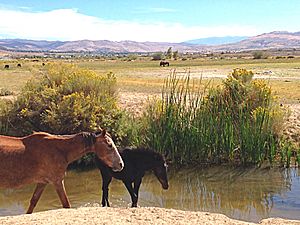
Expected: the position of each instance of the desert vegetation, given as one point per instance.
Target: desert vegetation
(238, 122)
(235, 120)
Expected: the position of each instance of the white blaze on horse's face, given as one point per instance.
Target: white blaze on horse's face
(107, 151)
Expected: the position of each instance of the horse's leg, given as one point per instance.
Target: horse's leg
(105, 183)
(36, 196)
(137, 184)
(61, 191)
(131, 192)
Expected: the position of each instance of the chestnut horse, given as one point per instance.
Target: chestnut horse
(43, 158)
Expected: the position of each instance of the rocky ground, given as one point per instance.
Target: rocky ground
(124, 216)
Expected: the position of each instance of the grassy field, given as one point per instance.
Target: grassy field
(146, 76)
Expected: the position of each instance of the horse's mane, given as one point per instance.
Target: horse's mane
(88, 138)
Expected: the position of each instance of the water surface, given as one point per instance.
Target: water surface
(245, 194)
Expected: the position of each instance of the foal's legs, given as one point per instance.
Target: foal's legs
(132, 194)
(36, 196)
(60, 189)
(105, 183)
(137, 184)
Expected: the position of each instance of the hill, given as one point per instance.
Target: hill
(216, 40)
(273, 40)
(101, 46)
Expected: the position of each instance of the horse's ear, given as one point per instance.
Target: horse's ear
(103, 133)
(100, 132)
(169, 161)
(166, 154)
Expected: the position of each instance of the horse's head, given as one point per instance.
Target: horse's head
(107, 151)
(160, 171)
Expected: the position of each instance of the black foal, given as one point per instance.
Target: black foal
(136, 162)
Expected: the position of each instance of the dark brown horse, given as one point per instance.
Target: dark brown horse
(164, 63)
(136, 163)
(43, 158)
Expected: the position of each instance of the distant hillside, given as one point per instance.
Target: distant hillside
(273, 40)
(216, 40)
(103, 46)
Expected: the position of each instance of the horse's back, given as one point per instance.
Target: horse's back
(22, 159)
(11, 145)
(18, 145)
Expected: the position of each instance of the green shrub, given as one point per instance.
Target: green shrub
(157, 56)
(5, 107)
(259, 55)
(68, 100)
(232, 123)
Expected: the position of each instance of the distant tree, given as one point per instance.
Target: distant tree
(132, 57)
(169, 53)
(175, 55)
(157, 56)
(257, 55)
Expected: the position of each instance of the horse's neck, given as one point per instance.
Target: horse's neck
(76, 148)
(142, 161)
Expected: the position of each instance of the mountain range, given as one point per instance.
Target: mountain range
(216, 40)
(273, 40)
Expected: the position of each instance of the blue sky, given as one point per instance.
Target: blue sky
(155, 20)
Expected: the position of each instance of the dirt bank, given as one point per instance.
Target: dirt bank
(292, 125)
(123, 216)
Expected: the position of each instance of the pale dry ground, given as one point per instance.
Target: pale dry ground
(124, 216)
(292, 129)
(135, 102)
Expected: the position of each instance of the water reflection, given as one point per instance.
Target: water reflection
(238, 193)
(247, 194)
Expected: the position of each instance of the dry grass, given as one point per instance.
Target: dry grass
(146, 76)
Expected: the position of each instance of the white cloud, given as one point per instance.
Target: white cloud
(69, 24)
(153, 10)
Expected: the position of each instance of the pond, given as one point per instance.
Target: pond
(245, 194)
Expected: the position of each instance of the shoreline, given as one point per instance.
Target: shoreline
(126, 216)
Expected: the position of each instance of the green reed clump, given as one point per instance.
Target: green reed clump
(235, 122)
(298, 157)
(5, 107)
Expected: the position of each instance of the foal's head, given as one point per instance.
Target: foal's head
(160, 170)
(107, 151)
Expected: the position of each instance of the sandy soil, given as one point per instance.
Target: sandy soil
(292, 126)
(123, 216)
(134, 102)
